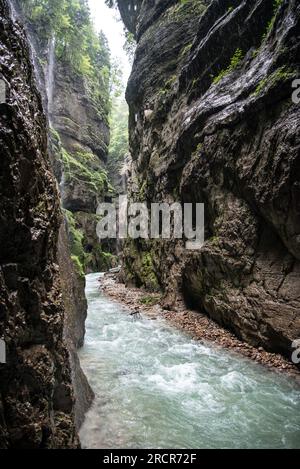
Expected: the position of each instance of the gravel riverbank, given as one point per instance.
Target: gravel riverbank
(198, 325)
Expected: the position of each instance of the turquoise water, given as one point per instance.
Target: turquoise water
(157, 388)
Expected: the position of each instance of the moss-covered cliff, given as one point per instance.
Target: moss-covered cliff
(73, 68)
(212, 121)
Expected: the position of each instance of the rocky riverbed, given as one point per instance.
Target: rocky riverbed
(196, 324)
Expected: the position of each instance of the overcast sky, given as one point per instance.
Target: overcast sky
(108, 20)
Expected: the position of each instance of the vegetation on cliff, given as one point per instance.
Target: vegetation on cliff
(119, 145)
(76, 42)
(221, 130)
(84, 79)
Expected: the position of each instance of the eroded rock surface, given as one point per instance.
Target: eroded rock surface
(78, 136)
(36, 392)
(212, 121)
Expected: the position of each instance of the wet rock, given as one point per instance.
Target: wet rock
(78, 140)
(36, 393)
(224, 132)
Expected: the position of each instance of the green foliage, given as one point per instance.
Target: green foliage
(99, 260)
(147, 273)
(116, 80)
(85, 261)
(215, 240)
(186, 8)
(76, 237)
(130, 45)
(234, 63)
(168, 87)
(118, 148)
(186, 50)
(77, 44)
(78, 266)
(79, 167)
(282, 74)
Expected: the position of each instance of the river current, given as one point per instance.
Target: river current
(158, 388)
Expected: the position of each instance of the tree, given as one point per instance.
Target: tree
(77, 44)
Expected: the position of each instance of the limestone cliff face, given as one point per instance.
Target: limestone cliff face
(82, 126)
(84, 134)
(79, 138)
(36, 393)
(212, 120)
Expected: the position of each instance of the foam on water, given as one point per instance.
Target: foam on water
(157, 388)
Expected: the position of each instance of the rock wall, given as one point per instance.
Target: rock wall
(212, 121)
(36, 392)
(78, 144)
(75, 304)
(82, 126)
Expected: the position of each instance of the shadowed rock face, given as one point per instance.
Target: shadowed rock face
(75, 305)
(36, 393)
(222, 130)
(82, 130)
(75, 117)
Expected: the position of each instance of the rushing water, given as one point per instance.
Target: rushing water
(157, 388)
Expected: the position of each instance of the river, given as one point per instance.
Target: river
(158, 388)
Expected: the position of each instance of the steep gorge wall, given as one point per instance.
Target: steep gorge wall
(79, 131)
(84, 138)
(212, 121)
(36, 392)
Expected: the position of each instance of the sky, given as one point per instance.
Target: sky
(108, 20)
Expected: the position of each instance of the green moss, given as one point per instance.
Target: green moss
(78, 266)
(199, 147)
(234, 63)
(77, 167)
(54, 134)
(99, 260)
(171, 82)
(282, 74)
(147, 272)
(76, 237)
(142, 191)
(186, 50)
(88, 261)
(269, 27)
(185, 8)
(196, 153)
(108, 260)
(168, 86)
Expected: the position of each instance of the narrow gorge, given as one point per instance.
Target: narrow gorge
(125, 342)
